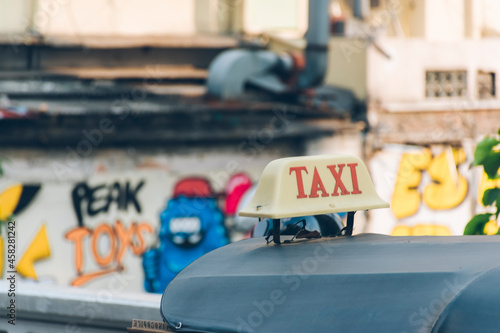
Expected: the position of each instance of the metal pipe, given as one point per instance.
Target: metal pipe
(361, 9)
(231, 70)
(317, 37)
(357, 9)
(318, 32)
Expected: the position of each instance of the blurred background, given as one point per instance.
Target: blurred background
(131, 132)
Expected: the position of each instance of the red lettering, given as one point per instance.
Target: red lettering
(354, 178)
(300, 183)
(338, 180)
(317, 185)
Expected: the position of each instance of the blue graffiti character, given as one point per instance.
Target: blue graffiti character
(191, 225)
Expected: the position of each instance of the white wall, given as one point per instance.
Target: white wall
(347, 65)
(444, 20)
(401, 79)
(115, 17)
(15, 16)
(491, 23)
(152, 17)
(279, 16)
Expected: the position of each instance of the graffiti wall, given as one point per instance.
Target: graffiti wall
(141, 219)
(432, 190)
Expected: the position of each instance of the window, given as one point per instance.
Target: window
(486, 85)
(445, 84)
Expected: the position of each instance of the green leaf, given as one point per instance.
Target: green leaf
(498, 206)
(490, 196)
(484, 149)
(491, 164)
(476, 224)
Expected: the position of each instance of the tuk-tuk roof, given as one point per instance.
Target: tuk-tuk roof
(313, 185)
(366, 283)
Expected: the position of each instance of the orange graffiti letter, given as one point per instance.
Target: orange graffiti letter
(125, 238)
(139, 249)
(77, 235)
(103, 229)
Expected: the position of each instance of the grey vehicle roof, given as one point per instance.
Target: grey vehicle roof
(365, 283)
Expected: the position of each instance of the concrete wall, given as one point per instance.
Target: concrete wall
(94, 17)
(436, 20)
(347, 65)
(402, 78)
(444, 20)
(489, 13)
(152, 17)
(288, 17)
(218, 16)
(15, 16)
(120, 203)
(430, 19)
(120, 17)
(481, 18)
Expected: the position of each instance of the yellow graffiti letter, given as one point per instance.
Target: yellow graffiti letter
(405, 198)
(449, 188)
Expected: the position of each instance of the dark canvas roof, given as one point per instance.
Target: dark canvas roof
(365, 283)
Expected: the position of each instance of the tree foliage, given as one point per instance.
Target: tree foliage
(487, 155)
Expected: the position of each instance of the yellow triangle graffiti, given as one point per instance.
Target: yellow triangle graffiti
(38, 249)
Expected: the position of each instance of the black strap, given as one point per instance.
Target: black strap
(276, 231)
(350, 223)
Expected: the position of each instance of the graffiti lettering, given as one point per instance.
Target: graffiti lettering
(405, 198)
(421, 230)
(119, 238)
(98, 199)
(448, 189)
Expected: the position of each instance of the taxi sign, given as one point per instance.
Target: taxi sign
(313, 185)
